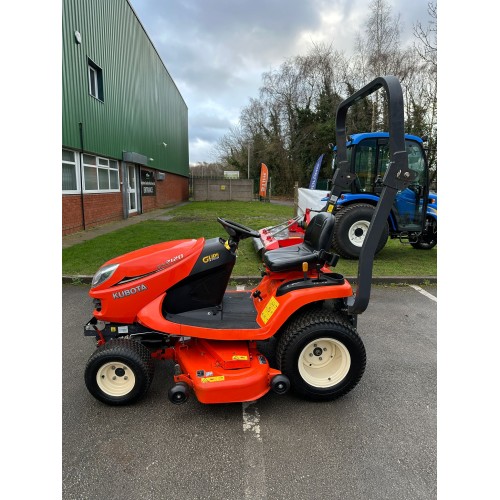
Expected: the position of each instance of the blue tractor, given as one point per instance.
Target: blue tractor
(413, 217)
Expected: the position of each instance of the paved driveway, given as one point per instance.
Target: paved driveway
(378, 442)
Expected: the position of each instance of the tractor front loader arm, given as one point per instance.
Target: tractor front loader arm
(397, 177)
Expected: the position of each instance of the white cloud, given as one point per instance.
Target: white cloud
(217, 51)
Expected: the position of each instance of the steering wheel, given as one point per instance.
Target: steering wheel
(237, 231)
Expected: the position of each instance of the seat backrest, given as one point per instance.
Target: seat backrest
(319, 232)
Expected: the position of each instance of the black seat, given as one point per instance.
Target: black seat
(318, 236)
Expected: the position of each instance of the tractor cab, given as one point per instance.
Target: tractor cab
(368, 158)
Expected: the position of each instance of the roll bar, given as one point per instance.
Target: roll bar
(397, 177)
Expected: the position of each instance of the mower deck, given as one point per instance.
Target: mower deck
(224, 371)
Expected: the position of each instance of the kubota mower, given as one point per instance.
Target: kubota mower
(170, 301)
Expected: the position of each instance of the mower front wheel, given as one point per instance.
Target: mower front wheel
(119, 372)
(322, 355)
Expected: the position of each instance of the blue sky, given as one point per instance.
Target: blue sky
(217, 50)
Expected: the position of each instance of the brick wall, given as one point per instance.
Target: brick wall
(71, 214)
(103, 208)
(171, 190)
(99, 209)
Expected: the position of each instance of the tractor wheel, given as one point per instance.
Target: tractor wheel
(351, 226)
(119, 372)
(322, 355)
(428, 240)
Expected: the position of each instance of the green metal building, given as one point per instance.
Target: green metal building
(124, 122)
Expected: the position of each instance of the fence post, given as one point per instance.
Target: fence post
(295, 198)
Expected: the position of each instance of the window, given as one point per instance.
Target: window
(416, 161)
(100, 174)
(364, 163)
(70, 180)
(96, 87)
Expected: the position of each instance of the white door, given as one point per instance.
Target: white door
(132, 189)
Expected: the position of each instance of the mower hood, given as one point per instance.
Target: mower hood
(152, 259)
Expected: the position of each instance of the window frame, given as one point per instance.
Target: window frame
(94, 74)
(101, 164)
(76, 165)
(365, 178)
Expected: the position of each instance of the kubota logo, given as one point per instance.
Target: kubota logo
(129, 291)
(210, 258)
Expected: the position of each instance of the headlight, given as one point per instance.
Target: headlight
(104, 273)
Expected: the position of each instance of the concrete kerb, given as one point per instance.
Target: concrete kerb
(254, 280)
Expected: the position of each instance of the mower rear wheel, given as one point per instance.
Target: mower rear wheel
(322, 355)
(119, 372)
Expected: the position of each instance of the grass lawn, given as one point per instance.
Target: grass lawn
(199, 219)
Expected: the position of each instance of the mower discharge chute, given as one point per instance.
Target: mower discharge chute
(170, 301)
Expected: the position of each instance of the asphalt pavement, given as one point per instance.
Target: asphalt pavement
(377, 442)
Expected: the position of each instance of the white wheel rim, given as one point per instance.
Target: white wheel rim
(324, 362)
(115, 378)
(357, 232)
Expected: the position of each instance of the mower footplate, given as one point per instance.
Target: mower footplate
(224, 371)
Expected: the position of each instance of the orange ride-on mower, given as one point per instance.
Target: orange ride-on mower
(169, 302)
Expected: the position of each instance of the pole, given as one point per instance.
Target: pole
(80, 125)
(248, 174)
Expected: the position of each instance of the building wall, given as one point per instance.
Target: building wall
(173, 189)
(142, 108)
(104, 208)
(99, 209)
(141, 115)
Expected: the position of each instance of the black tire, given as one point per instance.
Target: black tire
(119, 372)
(299, 358)
(352, 220)
(428, 240)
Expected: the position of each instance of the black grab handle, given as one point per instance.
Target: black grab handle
(397, 177)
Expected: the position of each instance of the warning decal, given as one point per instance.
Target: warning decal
(268, 311)
(219, 378)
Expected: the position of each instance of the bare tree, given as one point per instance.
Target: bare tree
(379, 53)
(426, 48)
(427, 37)
(293, 119)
